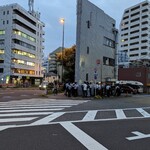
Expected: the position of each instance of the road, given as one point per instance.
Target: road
(43, 124)
(17, 94)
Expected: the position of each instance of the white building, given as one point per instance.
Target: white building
(96, 44)
(135, 32)
(21, 44)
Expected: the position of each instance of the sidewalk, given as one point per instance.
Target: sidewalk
(62, 96)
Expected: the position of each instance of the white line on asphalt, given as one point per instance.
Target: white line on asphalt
(138, 136)
(6, 127)
(120, 114)
(16, 119)
(32, 107)
(29, 110)
(90, 115)
(82, 137)
(143, 112)
(47, 119)
(25, 114)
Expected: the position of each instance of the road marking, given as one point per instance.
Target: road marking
(143, 112)
(120, 114)
(25, 114)
(82, 137)
(29, 110)
(90, 115)
(6, 127)
(32, 107)
(7, 97)
(16, 119)
(138, 136)
(47, 119)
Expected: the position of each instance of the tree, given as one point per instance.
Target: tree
(67, 57)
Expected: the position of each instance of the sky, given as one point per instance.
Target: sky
(52, 10)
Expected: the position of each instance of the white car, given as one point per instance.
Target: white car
(43, 85)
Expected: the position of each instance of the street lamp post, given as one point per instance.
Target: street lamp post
(62, 21)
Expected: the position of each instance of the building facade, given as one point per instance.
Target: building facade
(96, 44)
(135, 33)
(21, 45)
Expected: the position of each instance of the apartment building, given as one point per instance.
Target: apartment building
(135, 33)
(96, 44)
(21, 45)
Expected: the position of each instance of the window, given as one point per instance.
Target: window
(135, 14)
(87, 50)
(2, 32)
(108, 61)
(88, 24)
(136, 19)
(108, 42)
(1, 61)
(7, 12)
(3, 12)
(1, 70)
(87, 77)
(135, 8)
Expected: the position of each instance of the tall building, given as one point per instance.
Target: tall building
(96, 44)
(135, 33)
(21, 44)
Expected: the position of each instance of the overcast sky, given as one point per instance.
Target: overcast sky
(52, 10)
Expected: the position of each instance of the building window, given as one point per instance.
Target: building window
(1, 70)
(108, 42)
(7, 21)
(87, 77)
(1, 51)
(3, 12)
(88, 24)
(2, 32)
(7, 12)
(1, 61)
(87, 50)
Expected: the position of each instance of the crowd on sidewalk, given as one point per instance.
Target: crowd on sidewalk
(89, 89)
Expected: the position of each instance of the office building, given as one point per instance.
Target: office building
(21, 44)
(96, 44)
(135, 33)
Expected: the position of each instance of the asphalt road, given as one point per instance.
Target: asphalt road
(10, 94)
(45, 124)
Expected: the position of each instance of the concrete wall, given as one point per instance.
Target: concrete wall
(93, 26)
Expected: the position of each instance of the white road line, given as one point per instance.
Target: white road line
(82, 137)
(29, 110)
(25, 114)
(120, 114)
(47, 119)
(90, 115)
(138, 136)
(6, 127)
(16, 119)
(143, 112)
(32, 107)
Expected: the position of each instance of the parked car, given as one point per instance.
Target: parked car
(128, 89)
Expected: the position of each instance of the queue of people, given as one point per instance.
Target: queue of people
(89, 89)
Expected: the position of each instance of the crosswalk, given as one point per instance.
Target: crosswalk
(29, 112)
(33, 112)
(102, 115)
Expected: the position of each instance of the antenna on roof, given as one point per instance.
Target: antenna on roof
(31, 6)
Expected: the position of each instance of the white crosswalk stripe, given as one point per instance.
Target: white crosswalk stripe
(32, 112)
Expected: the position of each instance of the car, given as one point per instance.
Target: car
(43, 85)
(128, 89)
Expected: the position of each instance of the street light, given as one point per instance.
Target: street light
(62, 21)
